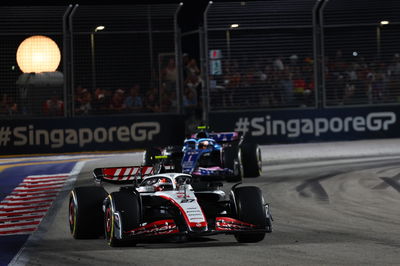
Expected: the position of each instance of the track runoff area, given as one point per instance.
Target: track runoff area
(308, 185)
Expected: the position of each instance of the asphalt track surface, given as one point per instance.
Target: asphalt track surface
(335, 212)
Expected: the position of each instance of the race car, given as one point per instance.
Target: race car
(164, 205)
(210, 155)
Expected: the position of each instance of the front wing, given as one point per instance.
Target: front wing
(168, 227)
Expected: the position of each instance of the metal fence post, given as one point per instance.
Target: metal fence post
(318, 68)
(178, 61)
(151, 48)
(322, 46)
(71, 60)
(203, 63)
(206, 64)
(66, 53)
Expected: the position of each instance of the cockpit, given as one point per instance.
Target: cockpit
(202, 144)
(163, 183)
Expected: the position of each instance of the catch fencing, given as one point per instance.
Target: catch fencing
(25, 94)
(268, 55)
(258, 55)
(115, 59)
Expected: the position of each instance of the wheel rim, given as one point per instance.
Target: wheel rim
(108, 223)
(240, 164)
(259, 160)
(72, 215)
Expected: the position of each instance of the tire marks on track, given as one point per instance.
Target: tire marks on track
(313, 188)
(391, 181)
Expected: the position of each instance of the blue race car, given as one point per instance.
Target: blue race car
(210, 156)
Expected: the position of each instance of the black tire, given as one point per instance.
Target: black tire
(247, 205)
(251, 159)
(127, 204)
(231, 160)
(85, 212)
(148, 157)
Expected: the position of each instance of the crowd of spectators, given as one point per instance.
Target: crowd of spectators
(355, 80)
(264, 83)
(137, 99)
(283, 81)
(289, 82)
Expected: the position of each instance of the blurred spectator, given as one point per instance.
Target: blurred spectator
(185, 61)
(192, 67)
(117, 101)
(299, 87)
(84, 103)
(151, 102)
(231, 85)
(190, 101)
(101, 101)
(134, 101)
(53, 106)
(194, 82)
(7, 105)
(169, 74)
(166, 102)
(394, 67)
(246, 95)
(278, 63)
(286, 87)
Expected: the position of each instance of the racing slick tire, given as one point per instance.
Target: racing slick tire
(251, 159)
(232, 160)
(85, 212)
(125, 205)
(247, 205)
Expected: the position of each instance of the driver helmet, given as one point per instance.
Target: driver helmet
(163, 184)
(204, 144)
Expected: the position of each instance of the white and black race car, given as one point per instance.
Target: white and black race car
(164, 205)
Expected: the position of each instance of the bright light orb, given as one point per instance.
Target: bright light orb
(38, 54)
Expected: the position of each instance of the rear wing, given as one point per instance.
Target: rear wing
(222, 136)
(126, 174)
(225, 136)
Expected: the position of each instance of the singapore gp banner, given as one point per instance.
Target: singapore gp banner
(296, 126)
(89, 133)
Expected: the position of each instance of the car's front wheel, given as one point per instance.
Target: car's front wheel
(122, 214)
(247, 204)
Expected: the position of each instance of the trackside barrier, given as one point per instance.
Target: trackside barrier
(296, 126)
(89, 134)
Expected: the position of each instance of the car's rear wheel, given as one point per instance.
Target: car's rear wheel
(85, 212)
(247, 205)
(251, 159)
(122, 213)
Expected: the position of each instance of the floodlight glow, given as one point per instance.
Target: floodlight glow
(234, 25)
(99, 28)
(38, 54)
(384, 22)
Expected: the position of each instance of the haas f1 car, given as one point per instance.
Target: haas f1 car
(210, 156)
(164, 205)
